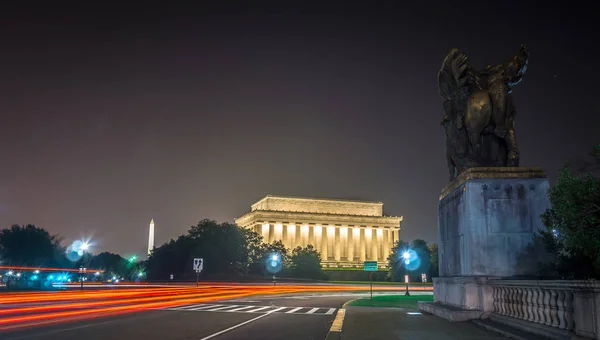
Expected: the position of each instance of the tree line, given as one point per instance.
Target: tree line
(229, 251)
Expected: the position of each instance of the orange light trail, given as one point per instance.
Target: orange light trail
(67, 306)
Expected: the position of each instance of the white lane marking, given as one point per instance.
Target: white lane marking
(200, 305)
(257, 309)
(276, 309)
(203, 307)
(221, 308)
(312, 310)
(330, 311)
(234, 327)
(293, 310)
(241, 308)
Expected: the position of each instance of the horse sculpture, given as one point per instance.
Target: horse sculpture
(480, 114)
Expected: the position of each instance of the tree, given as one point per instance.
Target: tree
(112, 264)
(226, 248)
(422, 264)
(396, 268)
(574, 216)
(306, 263)
(29, 245)
(572, 223)
(434, 260)
(254, 252)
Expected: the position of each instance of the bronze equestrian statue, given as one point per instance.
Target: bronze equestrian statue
(480, 114)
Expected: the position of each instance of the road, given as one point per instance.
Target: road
(208, 312)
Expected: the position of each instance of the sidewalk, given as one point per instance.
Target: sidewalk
(362, 323)
(374, 323)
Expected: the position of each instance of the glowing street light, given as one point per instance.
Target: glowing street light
(84, 246)
(36, 271)
(275, 257)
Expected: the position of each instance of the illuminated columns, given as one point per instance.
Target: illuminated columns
(318, 234)
(278, 232)
(324, 244)
(311, 235)
(353, 241)
(330, 241)
(337, 244)
(344, 243)
(369, 244)
(385, 245)
(304, 235)
(291, 236)
(362, 245)
(379, 245)
(265, 232)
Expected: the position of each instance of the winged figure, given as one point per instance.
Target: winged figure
(479, 111)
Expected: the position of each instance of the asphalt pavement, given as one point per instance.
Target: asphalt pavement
(257, 317)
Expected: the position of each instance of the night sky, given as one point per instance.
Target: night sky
(112, 116)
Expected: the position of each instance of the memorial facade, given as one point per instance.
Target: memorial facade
(345, 232)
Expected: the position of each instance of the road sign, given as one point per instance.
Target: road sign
(370, 266)
(198, 264)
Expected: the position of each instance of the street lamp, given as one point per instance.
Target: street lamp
(406, 257)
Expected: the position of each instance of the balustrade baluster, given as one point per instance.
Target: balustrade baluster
(502, 300)
(495, 297)
(553, 307)
(547, 318)
(509, 303)
(569, 311)
(528, 306)
(541, 306)
(519, 302)
(560, 309)
(534, 305)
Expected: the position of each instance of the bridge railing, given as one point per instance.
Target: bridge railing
(554, 308)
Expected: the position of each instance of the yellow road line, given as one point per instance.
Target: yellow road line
(336, 326)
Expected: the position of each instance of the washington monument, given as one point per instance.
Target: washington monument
(151, 237)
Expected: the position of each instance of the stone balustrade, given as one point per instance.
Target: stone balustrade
(552, 308)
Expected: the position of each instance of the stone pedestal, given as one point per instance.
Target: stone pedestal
(486, 218)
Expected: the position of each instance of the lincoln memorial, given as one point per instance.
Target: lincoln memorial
(345, 232)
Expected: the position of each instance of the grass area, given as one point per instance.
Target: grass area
(398, 301)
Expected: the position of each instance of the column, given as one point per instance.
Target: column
(298, 238)
(291, 235)
(350, 244)
(318, 235)
(330, 242)
(271, 233)
(369, 244)
(265, 232)
(337, 244)
(344, 243)
(324, 243)
(311, 235)
(278, 232)
(386, 244)
(362, 245)
(304, 235)
(379, 245)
